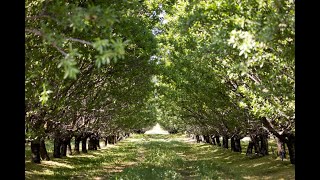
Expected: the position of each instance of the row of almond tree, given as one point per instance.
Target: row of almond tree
(89, 74)
(227, 70)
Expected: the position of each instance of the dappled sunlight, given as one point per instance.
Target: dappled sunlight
(112, 169)
(82, 155)
(227, 158)
(275, 167)
(258, 164)
(42, 172)
(56, 164)
(135, 140)
(160, 157)
(258, 177)
(97, 178)
(97, 152)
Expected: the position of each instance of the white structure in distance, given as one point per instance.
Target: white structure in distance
(157, 130)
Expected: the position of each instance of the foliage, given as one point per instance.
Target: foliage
(84, 63)
(229, 64)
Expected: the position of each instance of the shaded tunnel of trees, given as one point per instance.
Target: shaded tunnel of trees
(218, 70)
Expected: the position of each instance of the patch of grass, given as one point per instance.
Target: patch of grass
(94, 164)
(161, 157)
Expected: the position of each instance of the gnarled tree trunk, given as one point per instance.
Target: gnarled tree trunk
(232, 143)
(43, 150)
(84, 144)
(291, 148)
(237, 144)
(198, 138)
(206, 138)
(111, 139)
(119, 137)
(249, 148)
(56, 147)
(280, 148)
(256, 146)
(225, 143)
(69, 151)
(106, 141)
(92, 143)
(63, 149)
(77, 140)
(213, 140)
(98, 141)
(218, 140)
(264, 144)
(35, 151)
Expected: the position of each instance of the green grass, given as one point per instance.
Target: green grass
(160, 157)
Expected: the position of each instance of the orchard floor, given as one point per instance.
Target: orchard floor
(153, 157)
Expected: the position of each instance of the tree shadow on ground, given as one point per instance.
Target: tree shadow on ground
(154, 157)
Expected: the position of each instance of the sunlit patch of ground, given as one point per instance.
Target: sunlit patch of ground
(42, 172)
(56, 164)
(82, 155)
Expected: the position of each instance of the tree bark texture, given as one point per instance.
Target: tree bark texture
(225, 142)
(43, 150)
(35, 151)
(57, 147)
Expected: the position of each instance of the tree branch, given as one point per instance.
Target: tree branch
(39, 33)
(34, 31)
(59, 49)
(255, 79)
(79, 40)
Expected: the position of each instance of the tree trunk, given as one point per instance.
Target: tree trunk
(84, 144)
(115, 139)
(213, 140)
(106, 141)
(256, 146)
(232, 143)
(77, 140)
(291, 148)
(237, 144)
(206, 138)
(98, 142)
(111, 139)
(249, 148)
(225, 142)
(264, 144)
(218, 140)
(69, 151)
(119, 137)
(43, 150)
(56, 147)
(35, 150)
(63, 147)
(198, 138)
(280, 148)
(92, 143)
